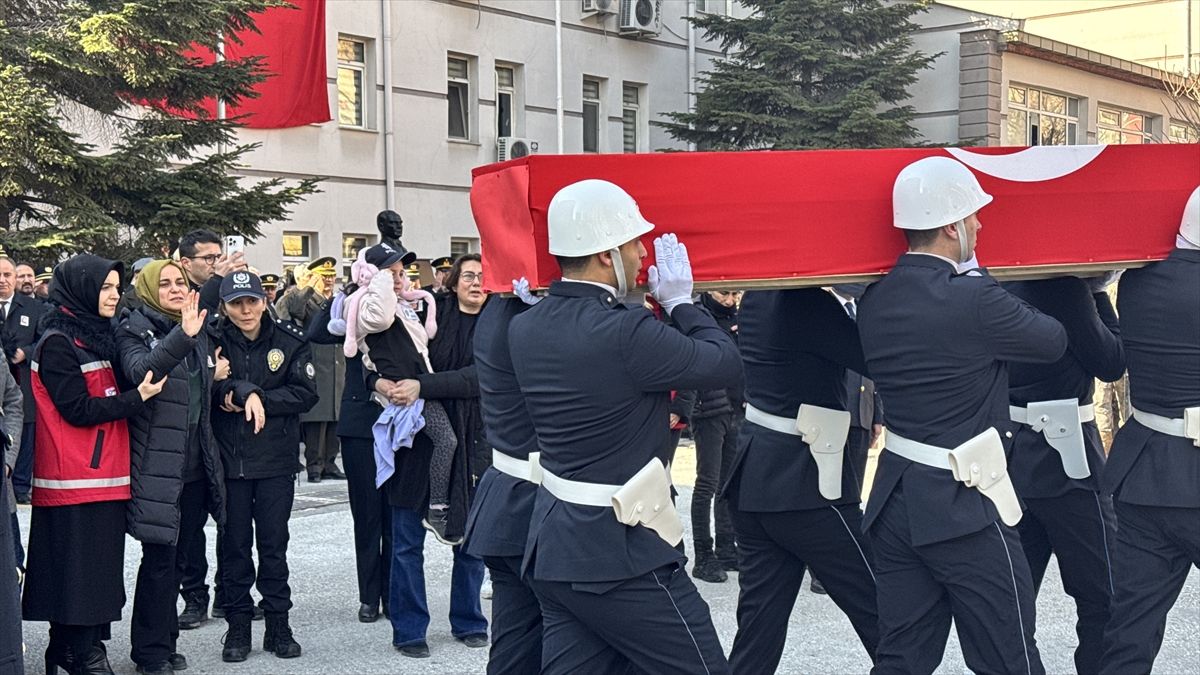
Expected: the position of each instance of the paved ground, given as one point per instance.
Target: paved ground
(324, 619)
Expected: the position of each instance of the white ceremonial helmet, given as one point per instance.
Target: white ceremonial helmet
(593, 216)
(935, 192)
(1189, 227)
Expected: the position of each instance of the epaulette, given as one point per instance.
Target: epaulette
(291, 329)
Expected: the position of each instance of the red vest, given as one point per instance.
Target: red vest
(78, 465)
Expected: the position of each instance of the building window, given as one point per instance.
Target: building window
(297, 250)
(591, 115)
(1181, 132)
(630, 117)
(712, 6)
(351, 245)
(351, 78)
(505, 95)
(460, 246)
(1037, 117)
(1118, 127)
(458, 94)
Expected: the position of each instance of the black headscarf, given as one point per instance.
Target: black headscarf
(75, 287)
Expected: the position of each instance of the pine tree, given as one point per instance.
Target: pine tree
(82, 168)
(806, 74)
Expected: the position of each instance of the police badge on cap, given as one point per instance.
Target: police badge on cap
(241, 285)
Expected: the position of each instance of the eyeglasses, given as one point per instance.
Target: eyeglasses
(471, 277)
(210, 259)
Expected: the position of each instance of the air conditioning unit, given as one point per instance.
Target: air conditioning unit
(511, 147)
(599, 7)
(640, 17)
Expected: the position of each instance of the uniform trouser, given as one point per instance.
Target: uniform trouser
(775, 548)
(154, 628)
(372, 521)
(22, 475)
(18, 549)
(11, 660)
(716, 447)
(320, 446)
(257, 512)
(193, 554)
(1155, 549)
(409, 609)
(980, 580)
(655, 624)
(1080, 528)
(516, 620)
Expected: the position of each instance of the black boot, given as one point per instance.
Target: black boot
(707, 569)
(278, 637)
(59, 656)
(237, 639)
(195, 611)
(94, 662)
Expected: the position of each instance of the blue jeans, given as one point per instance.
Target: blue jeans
(409, 611)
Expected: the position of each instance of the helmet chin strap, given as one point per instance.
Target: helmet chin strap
(964, 253)
(619, 268)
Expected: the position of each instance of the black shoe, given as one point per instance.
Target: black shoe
(162, 668)
(93, 663)
(195, 611)
(57, 657)
(435, 522)
(258, 613)
(314, 478)
(333, 473)
(177, 661)
(815, 585)
(368, 613)
(237, 639)
(417, 651)
(384, 609)
(218, 612)
(278, 638)
(475, 640)
(25, 498)
(708, 570)
(728, 564)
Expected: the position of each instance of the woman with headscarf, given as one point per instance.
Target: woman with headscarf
(75, 576)
(175, 468)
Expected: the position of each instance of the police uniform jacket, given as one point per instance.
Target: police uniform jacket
(1160, 327)
(796, 346)
(1093, 352)
(936, 344)
(302, 306)
(498, 524)
(20, 331)
(597, 377)
(278, 367)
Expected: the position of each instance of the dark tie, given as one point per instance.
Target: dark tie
(4, 313)
(850, 310)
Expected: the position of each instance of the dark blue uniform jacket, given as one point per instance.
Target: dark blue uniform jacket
(796, 346)
(597, 377)
(498, 524)
(1160, 327)
(1093, 352)
(936, 344)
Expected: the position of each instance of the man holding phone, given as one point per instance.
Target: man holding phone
(201, 256)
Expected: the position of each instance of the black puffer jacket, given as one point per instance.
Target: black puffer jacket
(278, 367)
(716, 402)
(158, 435)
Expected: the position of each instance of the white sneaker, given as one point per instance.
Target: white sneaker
(485, 591)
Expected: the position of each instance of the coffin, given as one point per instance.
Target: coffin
(789, 219)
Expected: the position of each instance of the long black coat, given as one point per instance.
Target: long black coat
(158, 435)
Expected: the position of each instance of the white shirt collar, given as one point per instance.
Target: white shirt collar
(606, 287)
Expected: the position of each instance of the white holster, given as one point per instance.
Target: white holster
(824, 430)
(529, 470)
(979, 463)
(644, 499)
(1061, 423)
(1186, 427)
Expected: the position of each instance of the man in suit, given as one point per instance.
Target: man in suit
(942, 510)
(1154, 466)
(19, 317)
(603, 548)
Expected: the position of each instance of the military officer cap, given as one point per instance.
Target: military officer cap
(326, 267)
(413, 270)
(443, 263)
(3, 253)
(44, 274)
(270, 280)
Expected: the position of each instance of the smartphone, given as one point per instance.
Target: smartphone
(234, 243)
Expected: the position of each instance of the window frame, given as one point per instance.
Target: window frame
(1146, 134)
(366, 72)
(1190, 134)
(467, 100)
(369, 240)
(639, 120)
(511, 92)
(471, 245)
(1071, 123)
(598, 104)
(717, 7)
(291, 261)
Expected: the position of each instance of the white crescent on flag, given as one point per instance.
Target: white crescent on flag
(1039, 163)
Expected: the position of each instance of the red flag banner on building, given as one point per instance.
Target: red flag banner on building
(780, 219)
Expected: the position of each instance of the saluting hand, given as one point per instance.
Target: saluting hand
(193, 316)
(149, 389)
(671, 273)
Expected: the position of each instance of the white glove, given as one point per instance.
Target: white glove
(521, 290)
(671, 275)
(1101, 283)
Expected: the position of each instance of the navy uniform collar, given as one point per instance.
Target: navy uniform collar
(1188, 254)
(919, 260)
(575, 289)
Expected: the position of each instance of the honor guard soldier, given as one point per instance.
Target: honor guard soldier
(1057, 458)
(498, 524)
(942, 509)
(1154, 467)
(793, 495)
(603, 548)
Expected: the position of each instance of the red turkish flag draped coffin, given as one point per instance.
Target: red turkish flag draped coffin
(781, 219)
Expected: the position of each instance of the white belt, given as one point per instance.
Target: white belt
(1061, 423)
(825, 432)
(524, 469)
(644, 499)
(1186, 427)
(979, 463)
